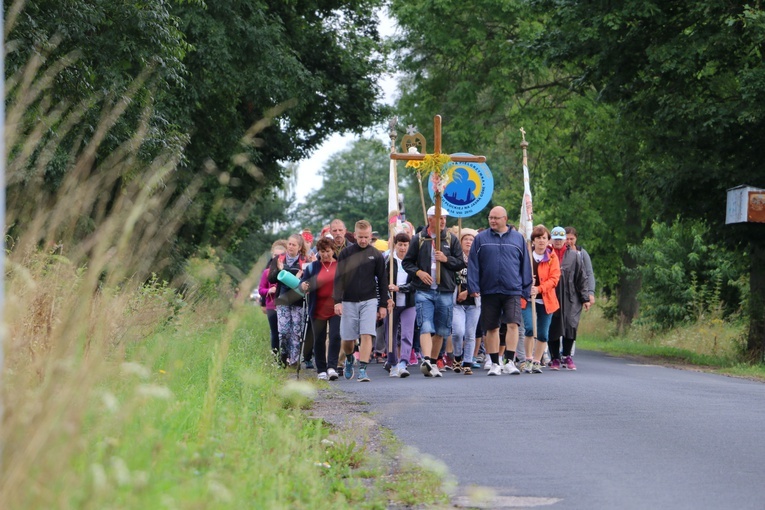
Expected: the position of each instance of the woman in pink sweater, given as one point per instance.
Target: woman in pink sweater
(267, 293)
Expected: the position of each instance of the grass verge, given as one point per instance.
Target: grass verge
(148, 433)
(708, 344)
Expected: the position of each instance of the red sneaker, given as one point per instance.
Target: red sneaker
(568, 362)
(440, 364)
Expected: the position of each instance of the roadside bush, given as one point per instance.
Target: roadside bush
(687, 277)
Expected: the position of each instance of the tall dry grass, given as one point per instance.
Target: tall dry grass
(76, 302)
(68, 297)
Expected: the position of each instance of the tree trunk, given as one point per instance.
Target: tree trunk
(629, 286)
(629, 279)
(756, 340)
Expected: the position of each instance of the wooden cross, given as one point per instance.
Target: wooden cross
(407, 156)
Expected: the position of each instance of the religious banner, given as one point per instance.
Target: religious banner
(467, 187)
(434, 164)
(525, 223)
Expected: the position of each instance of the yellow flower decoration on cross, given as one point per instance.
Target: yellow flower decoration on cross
(436, 164)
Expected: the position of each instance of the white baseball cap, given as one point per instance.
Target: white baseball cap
(432, 211)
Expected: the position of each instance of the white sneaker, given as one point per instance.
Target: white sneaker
(436, 372)
(332, 374)
(495, 369)
(427, 368)
(394, 371)
(510, 368)
(323, 376)
(487, 365)
(402, 371)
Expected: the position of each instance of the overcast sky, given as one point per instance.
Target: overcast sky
(307, 179)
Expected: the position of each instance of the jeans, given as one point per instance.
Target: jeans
(465, 319)
(434, 311)
(543, 322)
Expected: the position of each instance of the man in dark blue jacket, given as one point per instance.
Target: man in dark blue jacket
(499, 270)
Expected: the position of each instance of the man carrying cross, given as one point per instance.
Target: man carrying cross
(434, 300)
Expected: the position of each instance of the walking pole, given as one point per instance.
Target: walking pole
(304, 332)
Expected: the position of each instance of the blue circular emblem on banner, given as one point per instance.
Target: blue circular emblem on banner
(468, 189)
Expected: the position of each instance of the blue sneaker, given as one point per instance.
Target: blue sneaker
(309, 364)
(363, 375)
(348, 369)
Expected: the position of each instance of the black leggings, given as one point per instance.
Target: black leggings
(556, 333)
(323, 358)
(273, 323)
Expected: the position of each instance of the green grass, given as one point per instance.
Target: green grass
(710, 343)
(143, 440)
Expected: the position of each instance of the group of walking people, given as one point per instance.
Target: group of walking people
(472, 292)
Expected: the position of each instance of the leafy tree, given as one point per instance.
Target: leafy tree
(312, 65)
(480, 70)
(216, 69)
(355, 187)
(92, 53)
(690, 78)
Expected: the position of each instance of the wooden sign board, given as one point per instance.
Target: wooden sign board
(746, 204)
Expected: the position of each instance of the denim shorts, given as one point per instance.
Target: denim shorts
(434, 311)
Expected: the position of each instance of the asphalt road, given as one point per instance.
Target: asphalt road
(613, 434)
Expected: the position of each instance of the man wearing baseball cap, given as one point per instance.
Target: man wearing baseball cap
(433, 301)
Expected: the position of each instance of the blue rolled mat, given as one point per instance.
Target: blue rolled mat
(290, 280)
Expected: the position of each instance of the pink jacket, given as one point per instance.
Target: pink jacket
(266, 298)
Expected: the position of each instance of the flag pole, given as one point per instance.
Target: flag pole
(422, 199)
(528, 224)
(392, 208)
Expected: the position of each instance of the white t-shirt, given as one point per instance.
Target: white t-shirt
(401, 277)
(538, 258)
